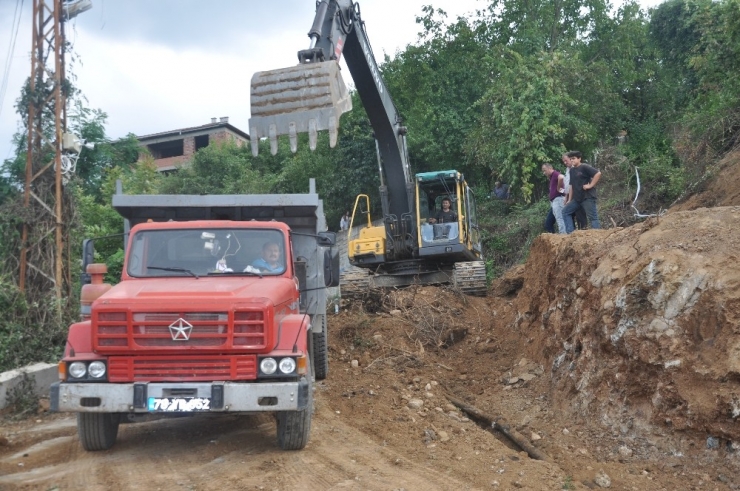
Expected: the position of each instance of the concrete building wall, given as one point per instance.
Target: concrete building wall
(42, 374)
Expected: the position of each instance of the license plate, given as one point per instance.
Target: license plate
(179, 404)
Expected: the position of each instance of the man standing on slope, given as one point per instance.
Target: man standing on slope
(580, 217)
(557, 199)
(583, 180)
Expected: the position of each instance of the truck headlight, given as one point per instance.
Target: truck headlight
(77, 369)
(287, 365)
(268, 366)
(96, 369)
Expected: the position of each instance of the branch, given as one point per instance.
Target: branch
(503, 426)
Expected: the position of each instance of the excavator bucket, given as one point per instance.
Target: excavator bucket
(306, 98)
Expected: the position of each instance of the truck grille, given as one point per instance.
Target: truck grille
(184, 368)
(178, 330)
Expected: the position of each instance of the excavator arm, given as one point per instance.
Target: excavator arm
(312, 96)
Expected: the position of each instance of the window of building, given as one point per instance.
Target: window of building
(201, 142)
(174, 148)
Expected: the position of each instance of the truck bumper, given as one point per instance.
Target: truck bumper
(222, 396)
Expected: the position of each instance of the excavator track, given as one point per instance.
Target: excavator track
(470, 278)
(354, 283)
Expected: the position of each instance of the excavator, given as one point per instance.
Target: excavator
(406, 246)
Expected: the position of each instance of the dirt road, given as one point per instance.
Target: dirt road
(226, 452)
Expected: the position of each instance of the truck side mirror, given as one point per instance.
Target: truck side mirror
(88, 257)
(331, 268)
(326, 239)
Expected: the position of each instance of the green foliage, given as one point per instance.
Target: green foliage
(508, 231)
(534, 26)
(98, 218)
(22, 342)
(353, 167)
(435, 86)
(89, 125)
(700, 43)
(219, 168)
(527, 115)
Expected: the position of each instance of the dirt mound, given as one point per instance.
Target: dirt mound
(720, 186)
(641, 324)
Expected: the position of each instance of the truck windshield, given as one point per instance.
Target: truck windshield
(197, 252)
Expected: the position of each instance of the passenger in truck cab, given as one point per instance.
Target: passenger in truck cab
(271, 260)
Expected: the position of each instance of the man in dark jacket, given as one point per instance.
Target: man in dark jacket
(445, 215)
(581, 222)
(583, 180)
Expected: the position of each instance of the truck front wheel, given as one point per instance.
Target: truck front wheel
(97, 431)
(294, 427)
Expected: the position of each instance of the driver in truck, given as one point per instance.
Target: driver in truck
(271, 260)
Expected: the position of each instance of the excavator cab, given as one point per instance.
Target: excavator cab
(451, 241)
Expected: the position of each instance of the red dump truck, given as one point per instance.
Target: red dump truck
(221, 308)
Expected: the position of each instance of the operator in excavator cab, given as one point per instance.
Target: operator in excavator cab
(445, 215)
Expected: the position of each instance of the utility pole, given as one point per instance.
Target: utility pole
(42, 261)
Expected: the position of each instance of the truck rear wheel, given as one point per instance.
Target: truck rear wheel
(320, 352)
(294, 427)
(97, 431)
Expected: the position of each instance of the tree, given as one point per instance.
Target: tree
(527, 114)
(435, 86)
(219, 168)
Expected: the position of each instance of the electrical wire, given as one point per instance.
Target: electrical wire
(11, 49)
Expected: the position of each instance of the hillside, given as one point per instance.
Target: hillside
(618, 348)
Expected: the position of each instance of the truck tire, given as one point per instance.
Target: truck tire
(294, 427)
(320, 352)
(97, 431)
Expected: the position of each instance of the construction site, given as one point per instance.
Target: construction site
(608, 360)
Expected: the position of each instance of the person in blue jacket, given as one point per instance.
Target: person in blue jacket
(271, 260)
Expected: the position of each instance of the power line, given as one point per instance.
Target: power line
(11, 49)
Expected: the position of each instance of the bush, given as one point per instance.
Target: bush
(28, 333)
(508, 230)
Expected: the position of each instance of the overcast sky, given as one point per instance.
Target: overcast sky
(155, 66)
